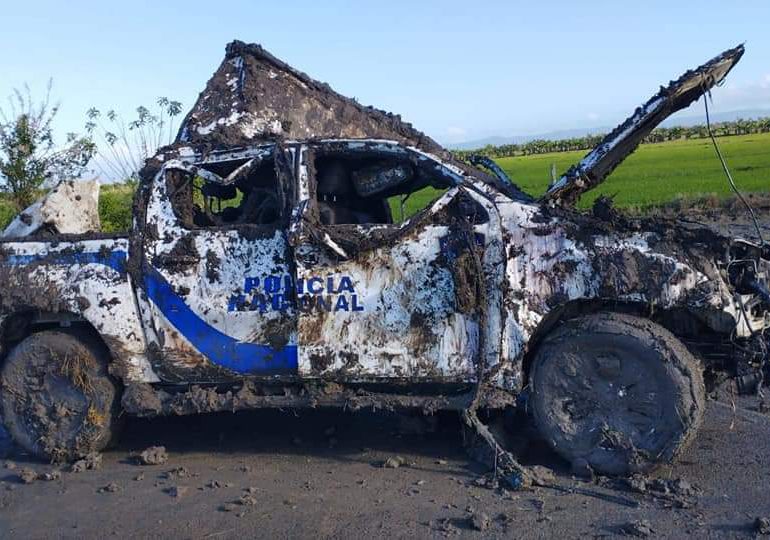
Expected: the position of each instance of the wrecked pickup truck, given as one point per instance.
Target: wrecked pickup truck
(267, 270)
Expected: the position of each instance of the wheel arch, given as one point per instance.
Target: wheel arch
(16, 326)
(684, 324)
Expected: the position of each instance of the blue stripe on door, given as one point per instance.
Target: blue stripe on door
(219, 348)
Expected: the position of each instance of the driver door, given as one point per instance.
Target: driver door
(379, 301)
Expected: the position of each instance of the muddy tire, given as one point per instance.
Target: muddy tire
(57, 400)
(618, 393)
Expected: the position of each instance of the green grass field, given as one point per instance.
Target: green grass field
(659, 173)
(656, 174)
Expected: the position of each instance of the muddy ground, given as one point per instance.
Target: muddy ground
(320, 474)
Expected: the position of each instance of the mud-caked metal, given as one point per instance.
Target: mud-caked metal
(274, 274)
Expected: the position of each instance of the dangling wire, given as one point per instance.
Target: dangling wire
(706, 98)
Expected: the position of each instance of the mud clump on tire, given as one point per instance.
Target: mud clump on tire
(58, 401)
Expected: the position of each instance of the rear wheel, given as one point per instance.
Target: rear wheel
(618, 393)
(57, 400)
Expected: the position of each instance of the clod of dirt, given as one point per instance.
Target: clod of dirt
(50, 476)
(215, 484)
(479, 521)
(677, 490)
(677, 486)
(446, 527)
(636, 483)
(247, 499)
(393, 462)
(229, 507)
(441, 462)
(489, 481)
(112, 487)
(177, 491)
(762, 525)
(10, 465)
(154, 455)
(639, 527)
(91, 462)
(541, 476)
(179, 472)
(27, 476)
(139, 477)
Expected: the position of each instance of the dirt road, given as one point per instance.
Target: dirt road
(319, 474)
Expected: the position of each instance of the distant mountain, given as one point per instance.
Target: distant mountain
(729, 116)
(685, 121)
(521, 139)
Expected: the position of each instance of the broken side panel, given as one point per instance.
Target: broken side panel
(71, 207)
(624, 139)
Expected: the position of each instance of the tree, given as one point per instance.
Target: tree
(30, 159)
(123, 147)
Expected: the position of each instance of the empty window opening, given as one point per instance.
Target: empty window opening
(373, 189)
(245, 192)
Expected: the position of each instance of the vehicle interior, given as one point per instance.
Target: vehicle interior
(362, 188)
(237, 192)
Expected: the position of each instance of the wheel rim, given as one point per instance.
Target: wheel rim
(608, 402)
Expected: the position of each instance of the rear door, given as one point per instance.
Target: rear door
(218, 273)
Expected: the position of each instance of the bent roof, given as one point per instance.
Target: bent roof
(254, 97)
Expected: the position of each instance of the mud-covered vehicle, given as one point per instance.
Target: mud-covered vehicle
(266, 269)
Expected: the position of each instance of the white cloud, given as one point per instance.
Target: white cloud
(592, 116)
(455, 131)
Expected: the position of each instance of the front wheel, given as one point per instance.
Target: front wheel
(616, 392)
(57, 400)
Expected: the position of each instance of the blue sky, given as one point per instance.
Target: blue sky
(457, 70)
